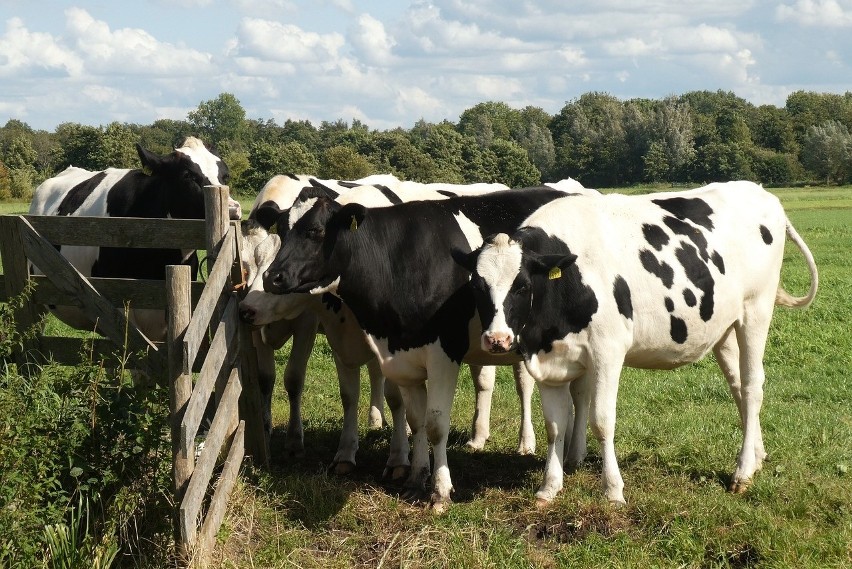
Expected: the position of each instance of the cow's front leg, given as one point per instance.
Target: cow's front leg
(376, 418)
(483, 383)
(524, 385)
(349, 382)
(443, 378)
(304, 336)
(414, 397)
(556, 407)
(604, 382)
(576, 445)
(398, 465)
(266, 379)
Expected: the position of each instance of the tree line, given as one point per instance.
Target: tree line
(602, 141)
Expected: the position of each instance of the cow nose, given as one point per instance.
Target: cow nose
(497, 342)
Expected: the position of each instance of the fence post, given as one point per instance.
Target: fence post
(216, 214)
(180, 383)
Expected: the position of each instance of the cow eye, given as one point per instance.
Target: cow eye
(316, 232)
(522, 288)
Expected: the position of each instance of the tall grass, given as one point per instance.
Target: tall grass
(677, 440)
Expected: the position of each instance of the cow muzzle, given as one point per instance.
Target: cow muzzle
(498, 342)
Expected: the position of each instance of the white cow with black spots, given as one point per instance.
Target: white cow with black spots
(588, 285)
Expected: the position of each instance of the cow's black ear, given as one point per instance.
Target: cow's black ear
(150, 161)
(267, 214)
(350, 217)
(325, 190)
(550, 265)
(467, 259)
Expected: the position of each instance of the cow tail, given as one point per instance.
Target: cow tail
(782, 297)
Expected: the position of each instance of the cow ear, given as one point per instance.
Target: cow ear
(350, 217)
(466, 259)
(267, 214)
(150, 161)
(550, 265)
(323, 189)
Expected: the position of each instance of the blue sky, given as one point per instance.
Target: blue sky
(390, 63)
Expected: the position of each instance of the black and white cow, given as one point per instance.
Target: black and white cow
(280, 317)
(173, 189)
(589, 285)
(389, 266)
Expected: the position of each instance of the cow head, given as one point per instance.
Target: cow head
(506, 279)
(303, 262)
(183, 174)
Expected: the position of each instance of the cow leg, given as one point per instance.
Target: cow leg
(398, 465)
(751, 337)
(415, 410)
(524, 385)
(576, 447)
(727, 353)
(266, 379)
(443, 377)
(349, 382)
(602, 420)
(304, 336)
(483, 383)
(556, 408)
(377, 390)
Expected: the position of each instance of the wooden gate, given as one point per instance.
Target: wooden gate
(227, 368)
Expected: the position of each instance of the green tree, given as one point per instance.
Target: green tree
(5, 182)
(79, 144)
(827, 152)
(117, 147)
(514, 166)
(219, 119)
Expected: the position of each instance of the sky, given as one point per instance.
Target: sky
(390, 63)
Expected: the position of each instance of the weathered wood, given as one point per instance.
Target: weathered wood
(219, 502)
(206, 306)
(110, 320)
(180, 383)
(223, 350)
(251, 408)
(133, 232)
(216, 214)
(15, 282)
(143, 293)
(197, 488)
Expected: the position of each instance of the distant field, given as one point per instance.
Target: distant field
(677, 439)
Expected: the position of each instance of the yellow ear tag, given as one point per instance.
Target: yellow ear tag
(354, 225)
(554, 273)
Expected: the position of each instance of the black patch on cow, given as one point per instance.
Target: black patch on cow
(695, 210)
(766, 234)
(78, 194)
(661, 270)
(560, 306)
(391, 197)
(621, 292)
(669, 304)
(698, 274)
(655, 235)
(349, 185)
(448, 193)
(332, 302)
(718, 261)
(689, 297)
(691, 232)
(677, 329)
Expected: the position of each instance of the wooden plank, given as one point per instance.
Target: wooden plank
(223, 349)
(133, 232)
(111, 320)
(197, 487)
(216, 216)
(15, 283)
(216, 282)
(224, 486)
(257, 442)
(143, 293)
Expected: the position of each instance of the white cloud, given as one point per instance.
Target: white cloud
(819, 13)
(372, 42)
(273, 41)
(23, 52)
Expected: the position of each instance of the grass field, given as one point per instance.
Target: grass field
(677, 439)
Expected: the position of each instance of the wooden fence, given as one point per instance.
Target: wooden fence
(226, 364)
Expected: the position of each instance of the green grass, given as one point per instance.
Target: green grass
(677, 440)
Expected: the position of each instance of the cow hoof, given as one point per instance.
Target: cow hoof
(439, 506)
(739, 486)
(618, 504)
(343, 468)
(476, 443)
(396, 473)
(526, 450)
(541, 503)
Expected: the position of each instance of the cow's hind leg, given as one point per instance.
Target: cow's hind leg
(524, 386)
(376, 417)
(483, 383)
(414, 397)
(751, 336)
(398, 465)
(576, 444)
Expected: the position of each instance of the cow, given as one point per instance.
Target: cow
(273, 312)
(588, 285)
(389, 266)
(173, 189)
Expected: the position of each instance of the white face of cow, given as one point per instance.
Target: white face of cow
(208, 162)
(501, 287)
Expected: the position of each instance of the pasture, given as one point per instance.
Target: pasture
(677, 437)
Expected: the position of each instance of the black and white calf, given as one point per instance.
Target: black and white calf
(588, 285)
(173, 189)
(389, 266)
